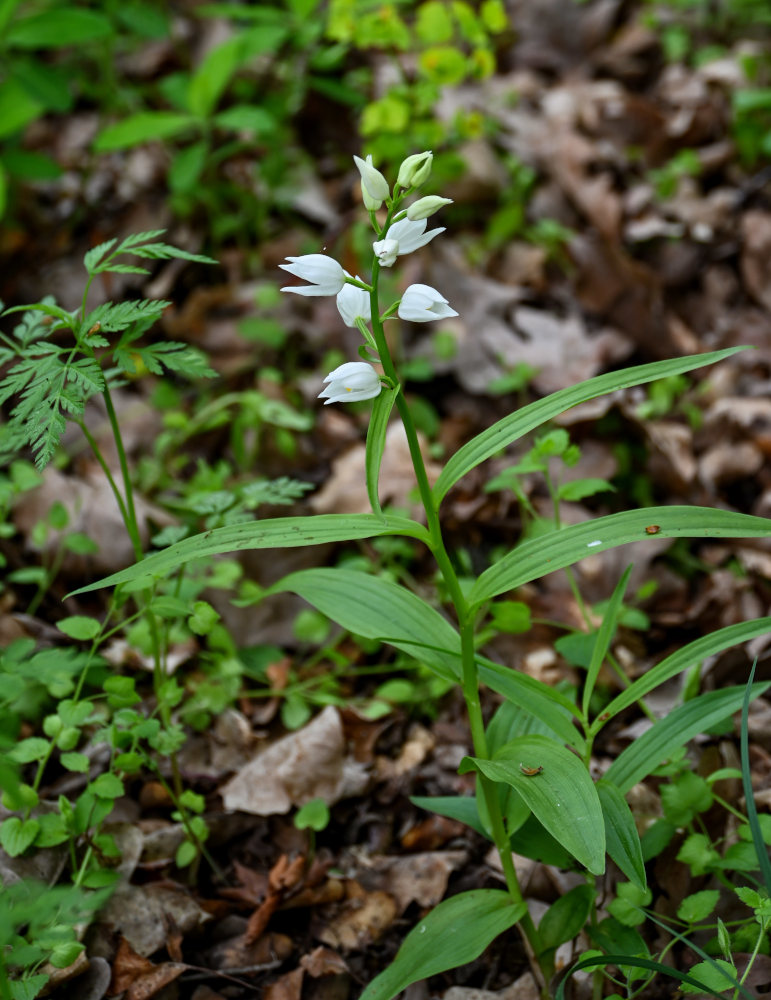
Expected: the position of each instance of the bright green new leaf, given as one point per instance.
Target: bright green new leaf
(526, 419)
(278, 532)
(16, 835)
(698, 906)
(79, 627)
(144, 126)
(376, 437)
(539, 556)
(673, 732)
(621, 833)
(716, 974)
(455, 932)
(561, 795)
(17, 108)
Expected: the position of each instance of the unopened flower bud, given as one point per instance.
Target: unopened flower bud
(424, 207)
(415, 169)
(372, 180)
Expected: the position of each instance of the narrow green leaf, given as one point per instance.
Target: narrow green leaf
(604, 636)
(673, 732)
(693, 652)
(562, 795)
(597, 961)
(213, 75)
(539, 556)
(376, 437)
(279, 532)
(455, 932)
(524, 420)
(369, 605)
(144, 126)
(54, 28)
(752, 810)
(460, 807)
(621, 833)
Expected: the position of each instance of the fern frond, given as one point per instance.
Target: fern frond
(95, 254)
(115, 316)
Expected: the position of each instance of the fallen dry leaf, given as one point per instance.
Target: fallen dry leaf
(138, 977)
(304, 765)
(361, 920)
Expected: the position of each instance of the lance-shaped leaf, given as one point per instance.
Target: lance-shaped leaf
(693, 652)
(376, 438)
(526, 419)
(621, 833)
(604, 636)
(673, 732)
(556, 786)
(372, 606)
(539, 556)
(278, 532)
(455, 932)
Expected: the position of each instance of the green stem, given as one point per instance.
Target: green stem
(465, 614)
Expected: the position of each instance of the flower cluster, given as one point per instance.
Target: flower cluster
(403, 232)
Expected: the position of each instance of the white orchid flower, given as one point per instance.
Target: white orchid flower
(386, 251)
(403, 237)
(423, 304)
(411, 235)
(326, 276)
(372, 181)
(350, 382)
(353, 301)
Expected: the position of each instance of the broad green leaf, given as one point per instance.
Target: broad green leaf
(673, 732)
(278, 532)
(672, 665)
(562, 796)
(374, 607)
(521, 422)
(565, 918)
(604, 636)
(376, 437)
(539, 556)
(16, 835)
(621, 833)
(144, 126)
(79, 627)
(52, 28)
(698, 906)
(455, 932)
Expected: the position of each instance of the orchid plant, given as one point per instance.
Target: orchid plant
(534, 792)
